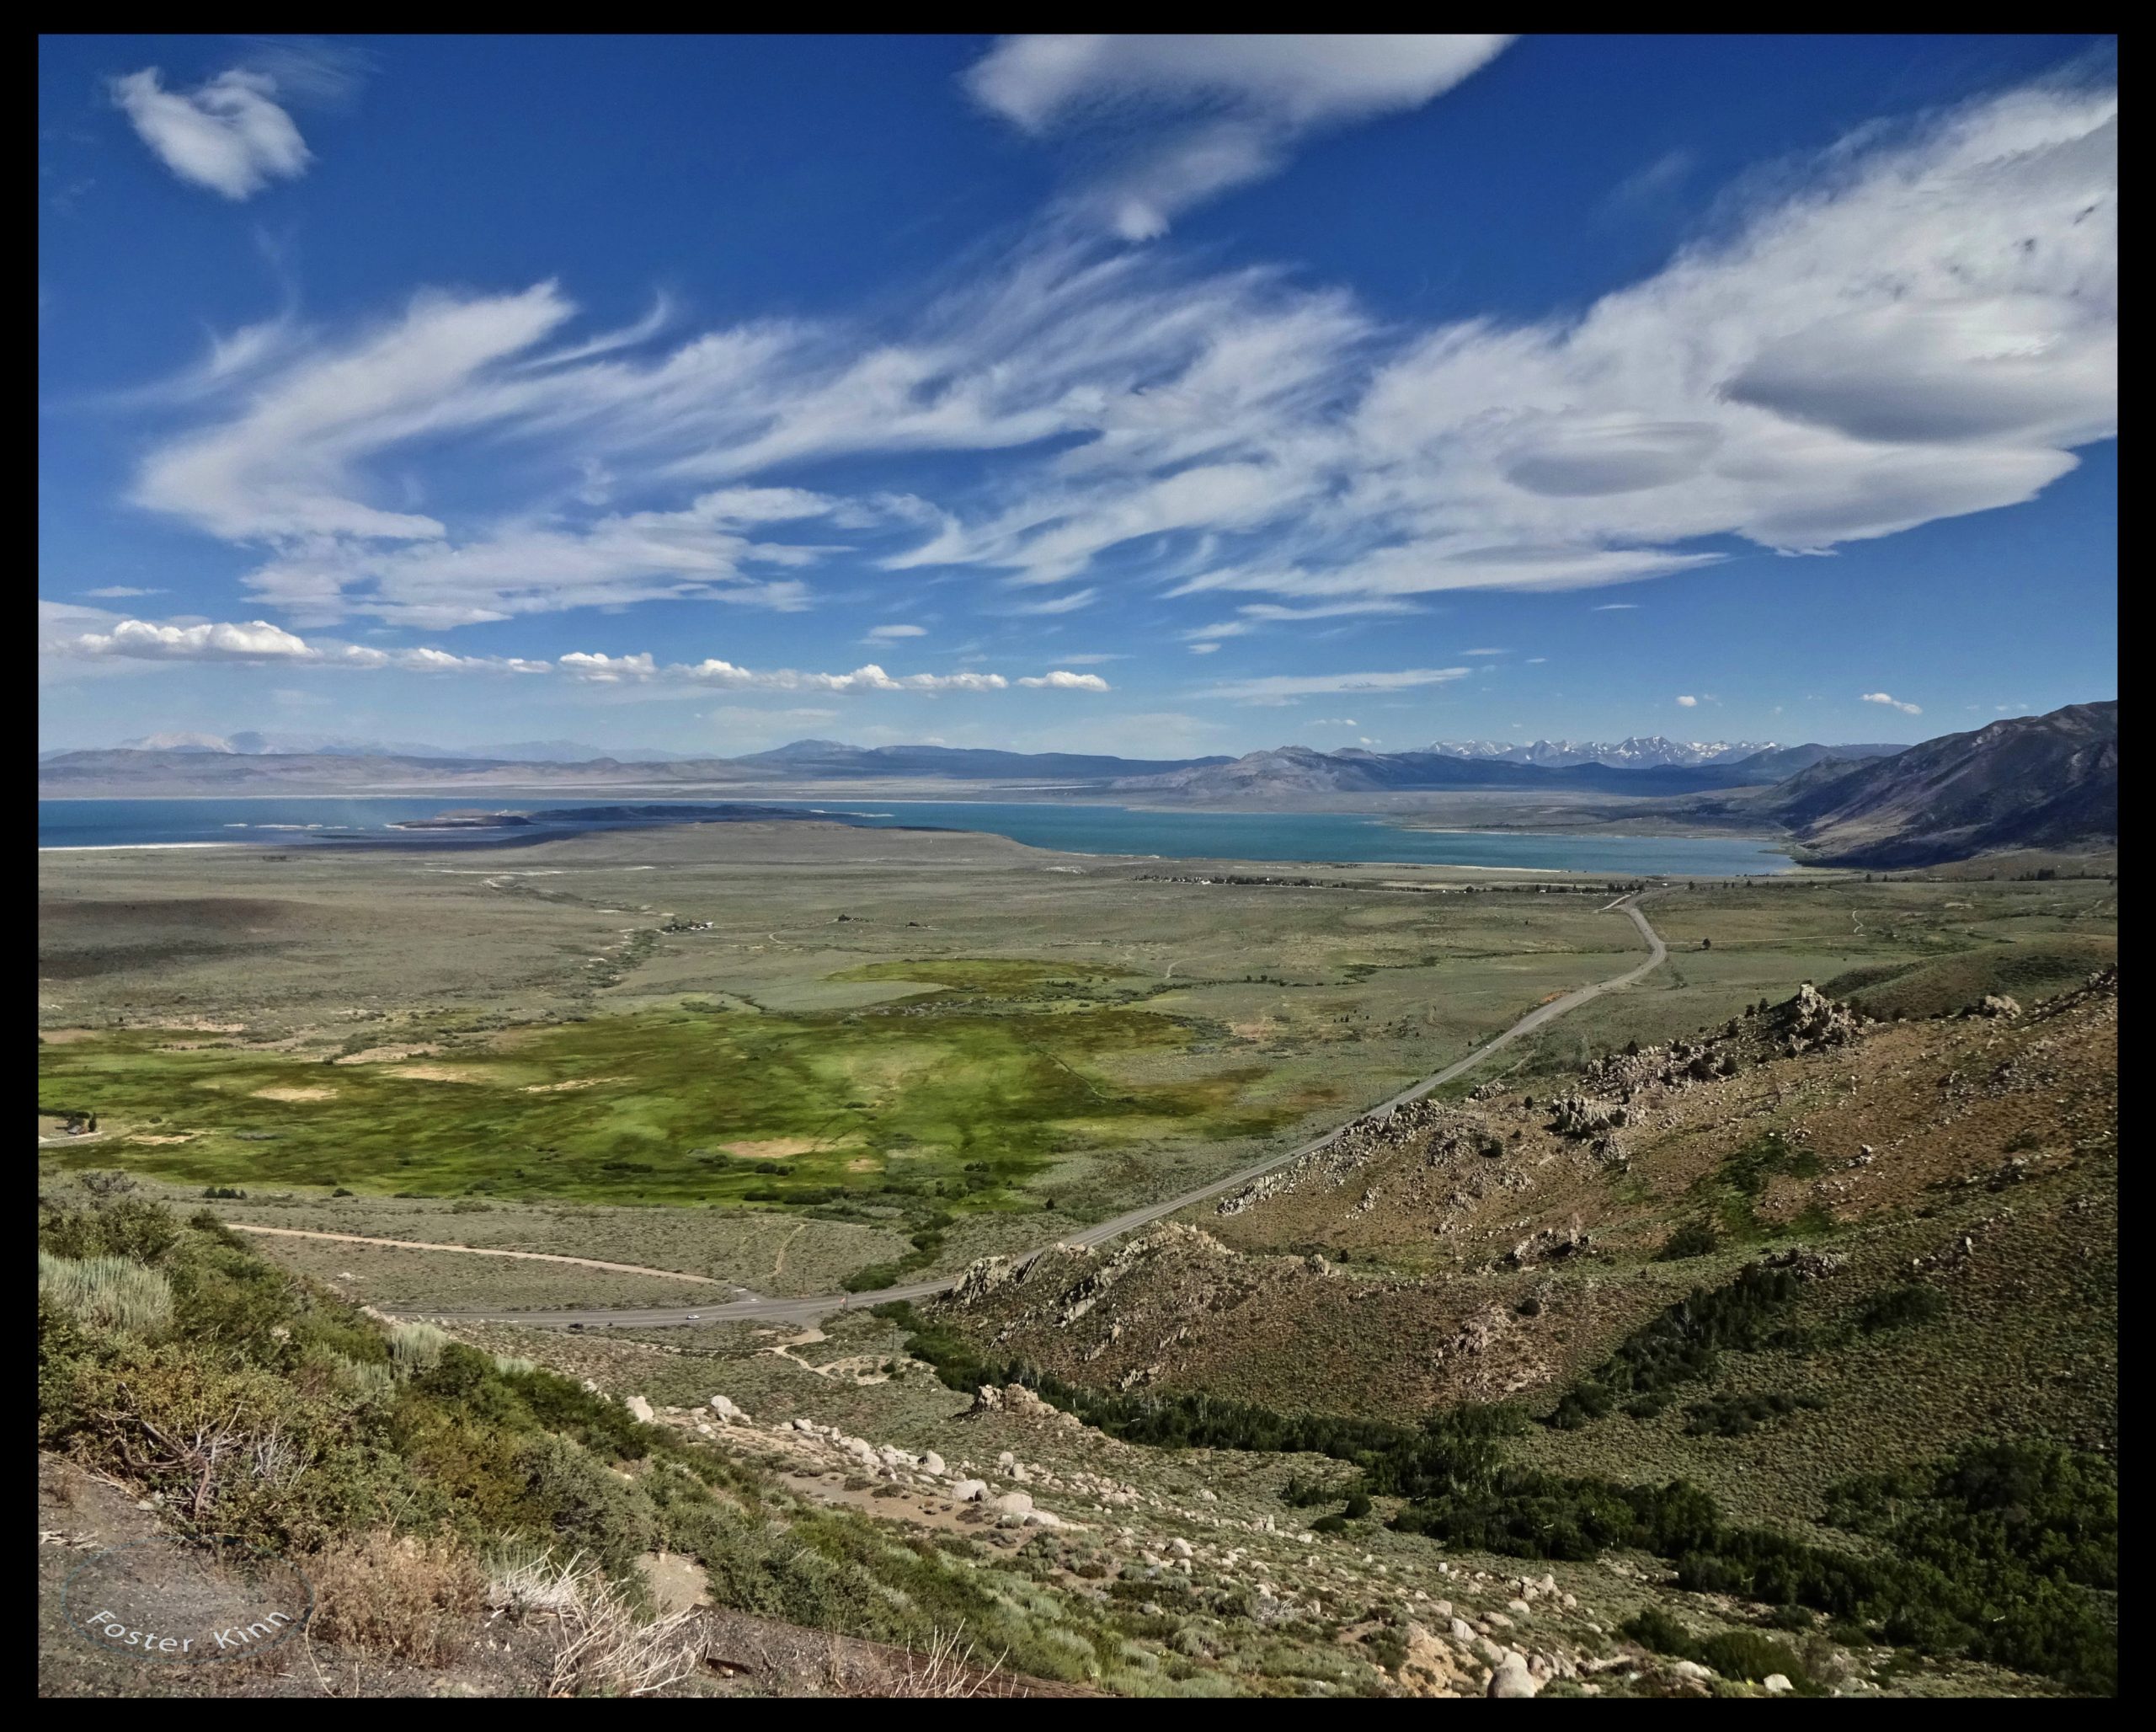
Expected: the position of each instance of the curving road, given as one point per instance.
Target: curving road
(758, 1309)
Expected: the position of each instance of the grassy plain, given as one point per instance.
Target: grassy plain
(929, 1045)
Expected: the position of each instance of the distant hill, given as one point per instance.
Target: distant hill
(2034, 781)
(201, 766)
(1777, 763)
(830, 758)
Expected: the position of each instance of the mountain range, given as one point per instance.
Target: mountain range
(1650, 751)
(2046, 782)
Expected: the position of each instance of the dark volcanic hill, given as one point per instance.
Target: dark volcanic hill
(1291, 772)
(2034, 781)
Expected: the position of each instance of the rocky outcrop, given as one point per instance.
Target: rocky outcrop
(1017, 1401)
(1355, 1144)
(1581, 1116)
(1551, 1245)
(1805, 1264)
(1812, 1021)
(982, 1277)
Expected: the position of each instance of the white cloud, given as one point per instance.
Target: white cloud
(1068, 603)
(1062, 680)
(1203, 649)
(1210, 112)
(119, 592)
(259, 643)
(1921, 324)
(1891, 702)
(254, 641)
(1536, 660)
(1688, 703)
(1334, 722)
(1485, 652)
(1613, 607)
(229, 135)
(1292, 686)
(882, 633)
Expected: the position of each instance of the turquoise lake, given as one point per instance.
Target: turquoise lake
(1270, 837)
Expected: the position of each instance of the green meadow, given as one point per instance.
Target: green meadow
(951, 1096)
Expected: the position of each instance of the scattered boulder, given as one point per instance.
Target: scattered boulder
(1778, 1685)
(1513, 1678)
(1996, 1004)
(639, 1408)
(970, 1491)
(727, 1411)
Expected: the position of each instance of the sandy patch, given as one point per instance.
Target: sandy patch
(867, 1163)
(565, 1088)
(435, 1073)
(771, 1148)
(384, 1055)
(145, 1136)
(65, 1037)
(289, 1093)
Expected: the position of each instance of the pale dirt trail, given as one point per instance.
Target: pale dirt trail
(760, 1309)
(353, 1238)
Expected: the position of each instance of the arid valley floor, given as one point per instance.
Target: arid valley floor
(1800, 1251)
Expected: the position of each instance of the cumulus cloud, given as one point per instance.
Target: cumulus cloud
(1688, 702)
(228, 135)
(262, 643)
(1892, 702)
(258, 642)
(1208, 112)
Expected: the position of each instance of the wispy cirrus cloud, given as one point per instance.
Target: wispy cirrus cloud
(1276, 686)
(1921, 324)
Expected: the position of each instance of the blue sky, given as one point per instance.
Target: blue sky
(1159, 395)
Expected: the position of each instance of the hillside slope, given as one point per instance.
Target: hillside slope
(2033, 782)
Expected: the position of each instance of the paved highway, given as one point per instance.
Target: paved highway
(758, 1309)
